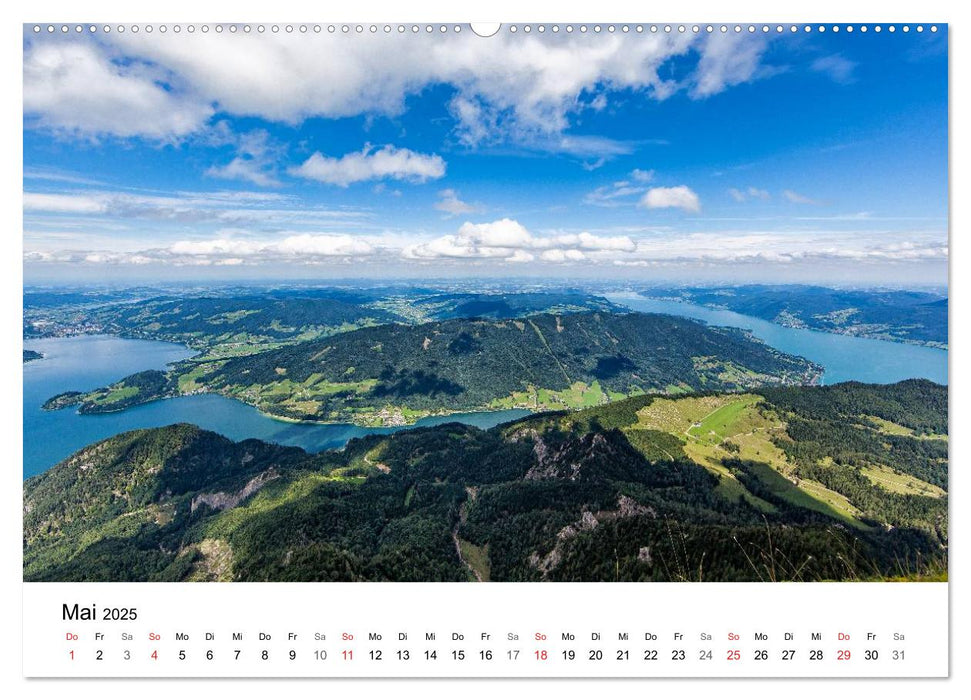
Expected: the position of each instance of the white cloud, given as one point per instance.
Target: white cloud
(619, 193)
(321, 245)
(58, 176)
(727, 60)
(557, 255)
(504, 233)
(588, 241)
(749, 193)
(242, 168)
(302, 247)
(797, 198)
(452, 247)
(600, 147)
(64, 203)
(785, 247)
(839, 69)
(221, 207)
(218, 246)
(369, 164)
(506, 241)
(450, 203)
(510, 241)
(79, 89)
(680, 197)
(255, 159)
(518, 88)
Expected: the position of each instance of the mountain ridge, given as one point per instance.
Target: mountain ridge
(394, 374)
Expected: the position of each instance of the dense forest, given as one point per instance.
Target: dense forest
(395, 373)
(908, 316)
(813, 483)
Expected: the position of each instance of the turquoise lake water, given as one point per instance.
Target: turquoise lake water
(844, 357)
(88, 362)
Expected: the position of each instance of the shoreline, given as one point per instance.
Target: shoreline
(297, 421)
(933, 344)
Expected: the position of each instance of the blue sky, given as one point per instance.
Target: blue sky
(723, 157)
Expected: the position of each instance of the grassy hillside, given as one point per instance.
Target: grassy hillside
(837, 483)
(394, 374)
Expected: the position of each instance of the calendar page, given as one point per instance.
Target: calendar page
(449, 350)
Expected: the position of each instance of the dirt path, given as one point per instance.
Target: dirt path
(458, 550)
(472, 492)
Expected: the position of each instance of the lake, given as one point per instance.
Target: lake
(88, 362)
(844, 357)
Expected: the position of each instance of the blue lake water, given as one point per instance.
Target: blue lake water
(844, 357)
(89, 362)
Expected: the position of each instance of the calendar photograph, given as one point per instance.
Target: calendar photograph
(527, 303)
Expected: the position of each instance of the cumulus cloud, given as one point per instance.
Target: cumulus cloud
(370, 164)
(680, 197)
(321, 245)
(450, 203)
(80, 89)
(588, 241)
(749, 193)
(797, 198)
(557, 255)
(516, 88)
(298, 245)
(510, 241)
(502, 233)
